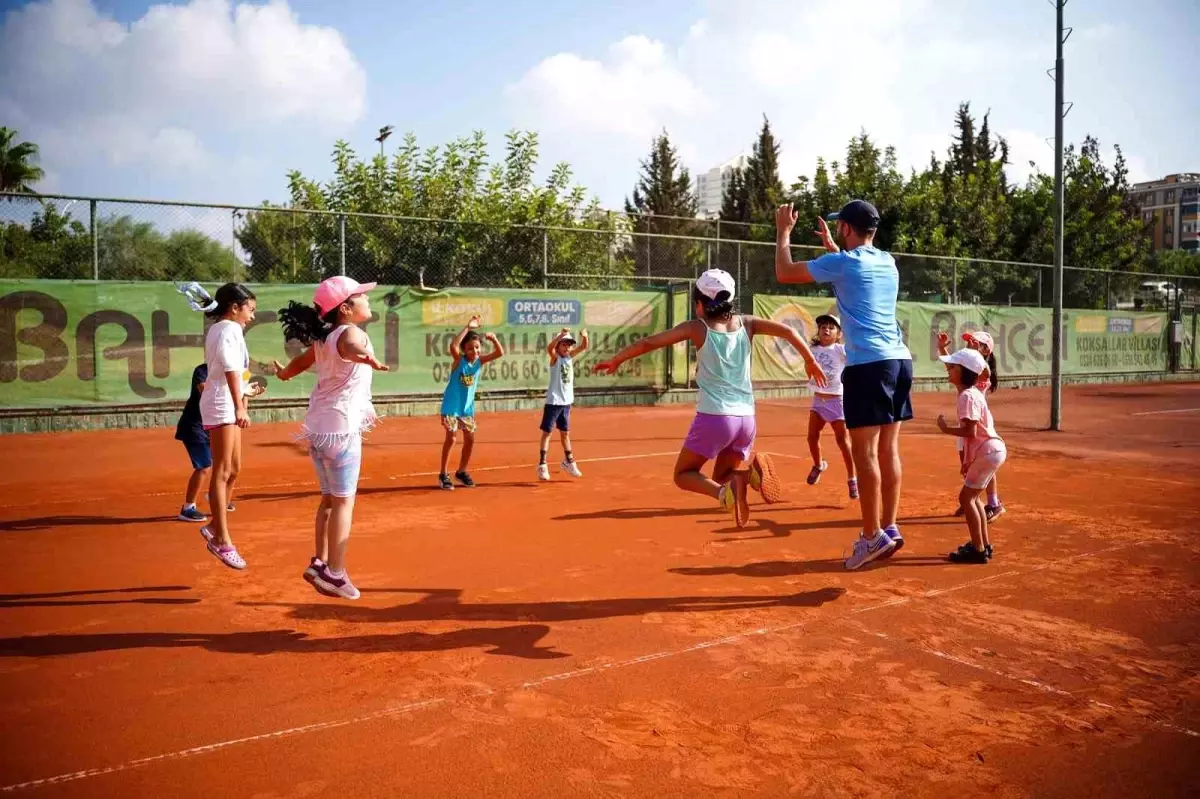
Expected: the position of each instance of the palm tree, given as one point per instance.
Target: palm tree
(18, 170)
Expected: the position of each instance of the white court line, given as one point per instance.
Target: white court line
(312, 483)
(1041, 686)
(560, 677)
(1176, 410)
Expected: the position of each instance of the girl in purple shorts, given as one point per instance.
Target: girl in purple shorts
(827, 402)
(723, 430)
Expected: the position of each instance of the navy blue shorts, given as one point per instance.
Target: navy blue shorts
(877, 393)
(200, 453)
(556, 416)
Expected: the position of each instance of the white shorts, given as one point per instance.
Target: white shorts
(986, 463)
(337, 461)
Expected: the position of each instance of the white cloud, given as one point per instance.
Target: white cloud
(628, 94)
(155, 93)
(898, 70)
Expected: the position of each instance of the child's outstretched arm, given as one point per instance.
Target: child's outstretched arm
(582, 346)
(298, 365)
(353, 347)
(681, 332)
(497, 349)
(765, 327)
(943, 343)
(964, 430)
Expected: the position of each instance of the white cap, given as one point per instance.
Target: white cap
(714, 281)
(968, 358)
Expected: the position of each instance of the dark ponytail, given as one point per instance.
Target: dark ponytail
(305, 324)
(229, 295)
(991, 362)
(718, 307)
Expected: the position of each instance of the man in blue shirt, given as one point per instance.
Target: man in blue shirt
(878, 374)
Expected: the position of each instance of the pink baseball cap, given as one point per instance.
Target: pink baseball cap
(334, 291)
(980, 337)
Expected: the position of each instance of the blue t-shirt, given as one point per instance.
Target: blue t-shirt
(865, 282)
(191, 427)
(459, 399)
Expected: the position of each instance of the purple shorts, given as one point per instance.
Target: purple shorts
(712, 435)
(829, 408)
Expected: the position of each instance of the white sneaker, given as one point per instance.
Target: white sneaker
(543, 471)
(868, 549)
(571, 468)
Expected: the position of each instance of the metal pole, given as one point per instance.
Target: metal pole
(1108, 304)
(95, 241)
(1039, 287)
(954, 289)
(545, 258)
(233, 241)
(342, 238)
(1057, 313)
(648, 240)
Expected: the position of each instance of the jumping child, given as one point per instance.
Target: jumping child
(191, 433)
(827, 402)
(724, 426)
(983, 451)
(223, 410)
(560, 395)
(339, 413)
(458, 401)
(982, 342)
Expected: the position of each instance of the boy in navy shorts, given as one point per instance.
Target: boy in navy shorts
(190, 430)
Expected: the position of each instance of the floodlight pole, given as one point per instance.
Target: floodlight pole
(1056, 347)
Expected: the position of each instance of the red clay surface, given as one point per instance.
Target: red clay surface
(612, 636)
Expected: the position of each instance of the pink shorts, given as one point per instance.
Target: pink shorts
(828, 408)
(208, 427)
(985, 464)
(711, 435)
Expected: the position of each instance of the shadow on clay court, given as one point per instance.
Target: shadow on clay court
(658, 513)
(44, 522)
(777, 530)
(67, 598)
(446, 605)
(792, 568)
(516, 641)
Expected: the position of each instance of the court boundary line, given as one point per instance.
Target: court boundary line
(1174, 410)
(735, 638)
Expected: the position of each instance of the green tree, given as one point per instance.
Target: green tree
(18, 163)
(764, 190)
(444, 216)
(664, 205)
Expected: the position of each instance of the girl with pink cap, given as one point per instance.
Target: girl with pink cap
(339, 412)
(982, 342)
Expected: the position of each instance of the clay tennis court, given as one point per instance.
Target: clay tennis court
(613, 636)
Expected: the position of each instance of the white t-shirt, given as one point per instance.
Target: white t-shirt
(340, 403)
(832, 360)
(224, 351)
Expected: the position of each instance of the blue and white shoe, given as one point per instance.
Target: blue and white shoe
(869, 549)
(892, 531)
(191, 514)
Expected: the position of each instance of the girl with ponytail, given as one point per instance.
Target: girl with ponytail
(724, 427)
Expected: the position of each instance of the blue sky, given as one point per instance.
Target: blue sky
(215, 101)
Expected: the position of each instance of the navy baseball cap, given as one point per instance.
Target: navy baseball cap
(858, 214)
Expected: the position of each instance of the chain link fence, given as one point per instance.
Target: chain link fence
(82, 238)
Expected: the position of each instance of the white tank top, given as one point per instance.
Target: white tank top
(340, 404)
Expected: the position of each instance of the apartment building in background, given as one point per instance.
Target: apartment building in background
(711, 186)
(1170, 206)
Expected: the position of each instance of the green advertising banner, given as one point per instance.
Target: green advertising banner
(66, 343)
(1094, 341)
